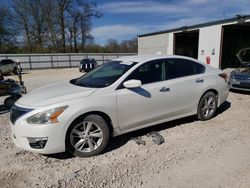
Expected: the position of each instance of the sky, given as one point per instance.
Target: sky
(124, 20)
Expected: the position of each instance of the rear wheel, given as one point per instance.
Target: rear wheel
(87, 136)
(207, 106)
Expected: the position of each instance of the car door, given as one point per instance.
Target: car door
(186, 82)
(148, 103)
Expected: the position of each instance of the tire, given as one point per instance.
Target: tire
(10, 101)
(80, 144)
(207, 106)
(15, 71)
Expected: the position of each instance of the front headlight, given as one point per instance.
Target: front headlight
(46, 117)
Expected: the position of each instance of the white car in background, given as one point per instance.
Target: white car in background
(121, 96)
(7, 66)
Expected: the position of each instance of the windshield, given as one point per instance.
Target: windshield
(103, 75)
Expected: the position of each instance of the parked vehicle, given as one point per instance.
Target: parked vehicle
(121, 96)
(11, 88)
(7, 66)
(87, 65)
(239, 78)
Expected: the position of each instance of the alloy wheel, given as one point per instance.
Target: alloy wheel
(209, 106)
(86, 136)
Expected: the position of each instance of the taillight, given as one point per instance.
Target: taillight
(224, 76)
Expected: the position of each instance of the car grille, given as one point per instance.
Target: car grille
(241, 77)
(16, 112)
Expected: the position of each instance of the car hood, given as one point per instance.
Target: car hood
(242, 71)
(54, 93)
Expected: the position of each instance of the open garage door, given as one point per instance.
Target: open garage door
(235, 37)
(186, 43)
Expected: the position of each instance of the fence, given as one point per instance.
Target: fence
(41, 61)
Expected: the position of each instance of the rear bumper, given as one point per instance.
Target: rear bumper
(223, 97)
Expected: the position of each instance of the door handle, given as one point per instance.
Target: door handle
(199, 80)
(164, 89)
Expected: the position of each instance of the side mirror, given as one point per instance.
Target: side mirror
(132, 84)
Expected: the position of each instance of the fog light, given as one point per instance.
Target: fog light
(37, 143)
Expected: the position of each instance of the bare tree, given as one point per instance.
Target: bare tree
(80, 15)
(47, 24)
(7, 32)
(22, 14)
(73, 26)
(90, 11)
(38, 27)
(62, 7)
(50, 16)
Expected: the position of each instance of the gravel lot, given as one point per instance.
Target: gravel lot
(215, 153)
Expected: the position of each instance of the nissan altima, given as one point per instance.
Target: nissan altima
(126, 94)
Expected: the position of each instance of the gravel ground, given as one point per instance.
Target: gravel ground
(215, 153)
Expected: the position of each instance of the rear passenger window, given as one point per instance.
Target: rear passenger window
(177, 68)
(199, 68)
(150, 72)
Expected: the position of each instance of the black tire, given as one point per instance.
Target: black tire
(100, 124)
(15, 71)
(10, 101)
(209, 110)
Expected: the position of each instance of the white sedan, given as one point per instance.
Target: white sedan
(121, 96)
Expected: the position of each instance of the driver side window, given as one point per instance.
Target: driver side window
(150, 72)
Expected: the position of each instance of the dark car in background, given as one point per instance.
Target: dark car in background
(240, 78)
(87, 64)
(8, 66)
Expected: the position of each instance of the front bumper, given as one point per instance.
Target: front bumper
(27, 136)
(243, 85)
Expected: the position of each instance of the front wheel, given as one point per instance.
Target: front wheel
(87, 136)
(207, 106)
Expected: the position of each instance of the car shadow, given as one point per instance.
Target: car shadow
(60, 156)
(223, 107)
(116, 142)
(240, 92)
(141, 91)
(119, 141)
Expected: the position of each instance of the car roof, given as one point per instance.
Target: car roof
(145, 58)
(88, 59)
(7, 60)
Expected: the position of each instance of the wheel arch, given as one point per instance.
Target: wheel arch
(210, 90)
(199, 115)
(102, 114)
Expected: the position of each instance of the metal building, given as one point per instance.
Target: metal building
(214, 42)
